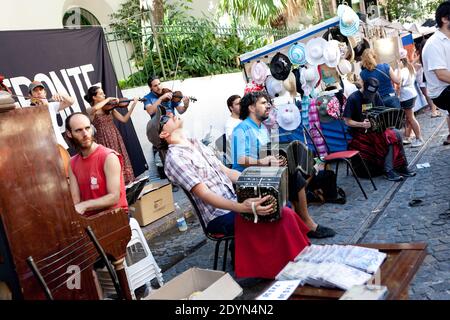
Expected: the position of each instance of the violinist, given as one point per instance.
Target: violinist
(60, 101)
(107, 134)
(160, 96)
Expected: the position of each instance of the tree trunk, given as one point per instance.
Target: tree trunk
(158, 12)
(321, 10)
(333, 7)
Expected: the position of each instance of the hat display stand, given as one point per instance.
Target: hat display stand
(295, 48)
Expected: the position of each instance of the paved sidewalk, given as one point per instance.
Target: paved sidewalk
(384, 217)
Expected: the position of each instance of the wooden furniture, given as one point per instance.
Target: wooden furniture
(38, 218)
(398, 269)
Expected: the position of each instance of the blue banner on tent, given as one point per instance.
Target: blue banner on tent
(407, 40)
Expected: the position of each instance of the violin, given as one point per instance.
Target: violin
(122, 103)
(177, 96)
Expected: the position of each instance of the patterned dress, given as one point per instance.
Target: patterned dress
(109, 136)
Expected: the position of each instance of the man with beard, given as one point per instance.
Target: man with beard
(96, 179)
(195, 167)
(156, 98)
(436, 62)
(246, 141)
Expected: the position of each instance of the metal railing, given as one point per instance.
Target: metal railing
(181, 51)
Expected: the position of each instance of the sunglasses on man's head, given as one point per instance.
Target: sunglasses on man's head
(164, 120)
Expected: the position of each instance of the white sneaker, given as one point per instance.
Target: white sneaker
(407, 140)
(416, 143)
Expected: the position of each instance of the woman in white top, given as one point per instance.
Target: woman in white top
(408, 95)
(420, 78)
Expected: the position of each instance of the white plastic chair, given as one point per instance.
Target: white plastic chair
(140, 265)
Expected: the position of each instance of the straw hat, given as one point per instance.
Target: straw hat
(348, 20)
(332, 54)
(297, 54)
(290, 84)
(288, 116)
(259, 72)
(314, 51)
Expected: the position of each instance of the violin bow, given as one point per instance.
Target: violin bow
(176, 70)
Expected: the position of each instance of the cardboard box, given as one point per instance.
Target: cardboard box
(155, 202)
(207, 285)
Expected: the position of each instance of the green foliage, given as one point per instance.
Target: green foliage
(190, 47)
(410, 10)
(127, 25)
(263, 12)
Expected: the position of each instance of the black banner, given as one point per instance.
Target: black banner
(66, 61)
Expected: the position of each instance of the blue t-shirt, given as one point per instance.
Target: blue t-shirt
(381, 73)
(246, 140)
(151, 98)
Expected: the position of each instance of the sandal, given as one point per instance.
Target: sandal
(436, 115)
(415, 203)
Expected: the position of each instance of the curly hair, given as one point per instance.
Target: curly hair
(250, 99)
(369, 59)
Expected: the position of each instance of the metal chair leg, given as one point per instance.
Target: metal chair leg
(356, 178)
(368, 172)
(216, 254)
(224, 264)
(337, 168)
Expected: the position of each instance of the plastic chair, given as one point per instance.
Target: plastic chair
(217, 237)
(223, 146)
(338, 156)
(140, 265)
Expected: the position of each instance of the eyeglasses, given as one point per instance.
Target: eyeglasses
(164, 120)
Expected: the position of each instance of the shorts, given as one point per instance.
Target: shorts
(443, 101)
(408, 104)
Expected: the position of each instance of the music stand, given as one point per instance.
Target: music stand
(133, 190)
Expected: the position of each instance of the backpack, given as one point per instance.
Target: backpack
(323, 188)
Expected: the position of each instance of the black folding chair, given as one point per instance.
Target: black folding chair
(217, 237)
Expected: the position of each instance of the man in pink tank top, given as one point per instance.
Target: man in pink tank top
(96, 172)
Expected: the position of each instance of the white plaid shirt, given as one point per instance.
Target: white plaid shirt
(188, 166)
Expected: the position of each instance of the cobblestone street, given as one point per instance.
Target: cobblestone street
(410, 211)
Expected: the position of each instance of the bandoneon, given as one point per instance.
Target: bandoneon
(382, 118)
(257, 182)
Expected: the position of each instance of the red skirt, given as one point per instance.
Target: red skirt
(263, 249)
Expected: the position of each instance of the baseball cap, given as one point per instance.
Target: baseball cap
(155, 124)
(370, 88)
(33, 85)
